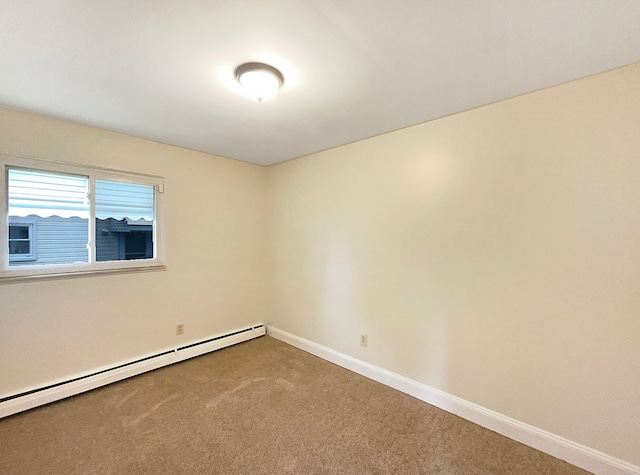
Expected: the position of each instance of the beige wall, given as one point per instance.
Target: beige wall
(494, 254)
(216, 265)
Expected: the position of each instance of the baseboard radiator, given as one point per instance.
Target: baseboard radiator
(34, 397)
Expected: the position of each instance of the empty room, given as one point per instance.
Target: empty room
(320, 237)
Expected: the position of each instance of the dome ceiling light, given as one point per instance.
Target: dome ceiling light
(258, 80)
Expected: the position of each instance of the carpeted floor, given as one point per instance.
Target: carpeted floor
(258, 407)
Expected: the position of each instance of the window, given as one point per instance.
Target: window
(21, 246)
(68, 219)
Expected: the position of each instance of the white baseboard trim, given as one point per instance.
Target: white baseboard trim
(103, 376)
(556, 446)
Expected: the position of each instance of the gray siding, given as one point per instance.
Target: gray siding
(107, 243)
(117, 240)
(58, 240)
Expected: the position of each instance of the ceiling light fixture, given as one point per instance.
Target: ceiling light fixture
(258, 80)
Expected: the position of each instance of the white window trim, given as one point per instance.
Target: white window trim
(39, 272)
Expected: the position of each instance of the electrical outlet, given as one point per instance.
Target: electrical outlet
(179, 328)
(364, 339)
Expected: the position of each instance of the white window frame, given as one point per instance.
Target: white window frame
(39, 271)
(31, 256)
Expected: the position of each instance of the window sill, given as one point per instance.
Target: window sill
(10, 279)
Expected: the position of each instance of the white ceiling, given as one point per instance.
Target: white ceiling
(163, 69)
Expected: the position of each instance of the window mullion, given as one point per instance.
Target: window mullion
(91, 243)
(4, 219)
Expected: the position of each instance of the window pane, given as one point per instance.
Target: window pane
(124, 220)
(59, 207)
(18, 232)
(19, 247)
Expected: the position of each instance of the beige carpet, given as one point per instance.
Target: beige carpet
(258, 407)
